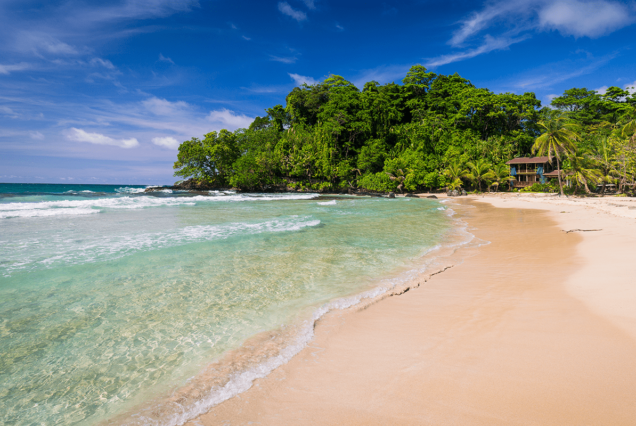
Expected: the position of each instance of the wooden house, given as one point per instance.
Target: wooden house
(528, 171)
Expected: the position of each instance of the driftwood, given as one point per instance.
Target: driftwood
(582, 230)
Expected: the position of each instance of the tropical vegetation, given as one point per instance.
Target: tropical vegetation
(430, 132)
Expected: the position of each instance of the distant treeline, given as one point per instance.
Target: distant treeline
(425, 133)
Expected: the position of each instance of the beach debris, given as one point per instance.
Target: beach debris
(581, 230)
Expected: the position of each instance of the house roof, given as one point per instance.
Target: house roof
(529, 160)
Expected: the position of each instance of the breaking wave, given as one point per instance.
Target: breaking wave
(90, 206)
(45, 253)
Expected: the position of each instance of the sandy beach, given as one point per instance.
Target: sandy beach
(536, 328)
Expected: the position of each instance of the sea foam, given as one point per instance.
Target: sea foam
(89, 206)
(60, 250)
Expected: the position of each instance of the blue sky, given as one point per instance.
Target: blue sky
(103, 92)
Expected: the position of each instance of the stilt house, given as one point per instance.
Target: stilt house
(528, 171)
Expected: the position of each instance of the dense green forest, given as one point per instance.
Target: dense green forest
(430, 132)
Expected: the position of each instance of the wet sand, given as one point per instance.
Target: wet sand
(511, 335)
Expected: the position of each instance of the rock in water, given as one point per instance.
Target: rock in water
(432, 196)
(391, 195)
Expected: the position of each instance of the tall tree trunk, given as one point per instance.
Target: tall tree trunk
(560, 183)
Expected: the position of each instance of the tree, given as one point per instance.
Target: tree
(629, 129)
(210, 159)
(455, 172)
(501, 175)
(479, 171)
(557, 139)
(582, 172)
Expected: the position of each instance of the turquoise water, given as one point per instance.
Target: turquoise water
(108, 300)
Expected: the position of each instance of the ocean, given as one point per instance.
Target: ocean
(117, 305)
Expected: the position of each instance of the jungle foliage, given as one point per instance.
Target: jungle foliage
(432, 131)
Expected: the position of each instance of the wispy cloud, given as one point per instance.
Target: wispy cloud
(286, 9)
(283, 59)
(79, 135)
(7, 69)
(39, 43)
(165, 59)
(521, 18)
(103, 62)
(551, 74)
(311, 4)
(301, 79)
(36, 135)
(339, 27)
(167, 142)
(570, 17)
(382, 74)
(490, 44)
(230, 118)
(246, 38)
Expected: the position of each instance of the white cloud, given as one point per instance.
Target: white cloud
(300, 79)
(602, 90)
(311, 4)
(145, 9)
(630, 87)
(584, 19)
(103, 62)
(230, 119)
(283, 59)
(579, 18)
(246, 38)
(164, 107)
(382, 74)
(6, 69)
(38, 43)
(490, 44)
(165, 59)
(168, 142)
(6, 110)
(79, 135)
(286, 9)
(339, 27)
(36, 135)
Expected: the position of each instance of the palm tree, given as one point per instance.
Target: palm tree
(501, 175)
(603, 153)
(557, 139)
(582, 172)
(455, 172)
(629, 129)
(479, 171)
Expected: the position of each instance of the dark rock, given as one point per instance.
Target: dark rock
(411, 195)
(464, 192)
(391, 195)
(432, 196)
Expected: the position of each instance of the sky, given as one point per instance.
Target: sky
(104, 91)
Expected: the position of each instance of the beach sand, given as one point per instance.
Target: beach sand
(536, 328)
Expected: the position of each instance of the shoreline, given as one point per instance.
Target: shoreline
(236, 371)
(329, 376)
